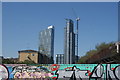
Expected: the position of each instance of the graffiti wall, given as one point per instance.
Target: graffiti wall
(60, 71)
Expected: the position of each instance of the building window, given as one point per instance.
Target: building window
(33, 54)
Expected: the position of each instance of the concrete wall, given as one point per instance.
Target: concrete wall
(61, 72)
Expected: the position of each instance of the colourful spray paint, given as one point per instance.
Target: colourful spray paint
(61, 71)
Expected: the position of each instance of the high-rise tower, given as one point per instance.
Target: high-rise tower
(69, 43)
(46, 46)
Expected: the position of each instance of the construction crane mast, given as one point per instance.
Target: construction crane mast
(77, 26)
(77, 19)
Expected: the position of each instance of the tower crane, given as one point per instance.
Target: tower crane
(77, 26)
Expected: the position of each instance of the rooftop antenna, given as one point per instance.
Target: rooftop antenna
(77, 21)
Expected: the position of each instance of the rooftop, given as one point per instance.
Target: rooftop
(27, 51)
(50, 27)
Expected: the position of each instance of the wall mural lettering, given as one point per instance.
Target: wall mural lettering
(61, 71)
(4, 74)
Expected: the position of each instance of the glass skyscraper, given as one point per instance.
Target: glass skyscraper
(46, 46)
(118, 43)
(69, 43)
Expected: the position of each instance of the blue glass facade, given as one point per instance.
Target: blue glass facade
(46, 46)
(69, 43)
(119, 21)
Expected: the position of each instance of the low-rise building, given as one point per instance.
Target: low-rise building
(30, 55)
(118, 46)
(60, 59)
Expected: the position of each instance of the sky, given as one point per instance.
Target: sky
(22, 22)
